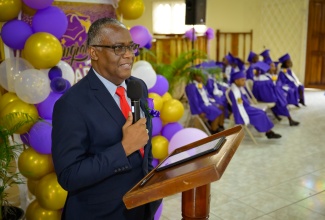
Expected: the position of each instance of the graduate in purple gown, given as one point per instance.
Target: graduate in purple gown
(266, 89)
(252, 58)
(228, 62)
(243, 112)
(290, 82)
(266, 56)
(202, 104)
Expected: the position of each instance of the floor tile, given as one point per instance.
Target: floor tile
(295, 212)
(315, 203)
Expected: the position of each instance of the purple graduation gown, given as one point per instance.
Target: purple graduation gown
(268, 91)
(292, 91)
(197, 105)
(250, 73)
(257, 117)
(221, 100)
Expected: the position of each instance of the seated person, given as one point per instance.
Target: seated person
(243, 112)
(202, 104)
(228, 62)
(252, 58)
(290, 83)
(265, 89)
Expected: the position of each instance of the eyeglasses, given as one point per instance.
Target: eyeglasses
(120, 50)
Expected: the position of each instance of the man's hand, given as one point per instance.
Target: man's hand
(135, 136)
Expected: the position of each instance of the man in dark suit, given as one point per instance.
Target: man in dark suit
(95, 149)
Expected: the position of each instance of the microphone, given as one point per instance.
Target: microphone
(134, 92)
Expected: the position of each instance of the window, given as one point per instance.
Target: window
(169, 18)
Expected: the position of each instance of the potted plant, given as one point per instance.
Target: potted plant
(178, 71)
(9, 150)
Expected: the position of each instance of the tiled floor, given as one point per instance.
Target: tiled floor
(276, 179)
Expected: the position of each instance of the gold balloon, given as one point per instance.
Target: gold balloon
(28, 10)
(130, 9)
(172, 111)
(18, 106)
(35, 212)
(43, 50)
(9, 9)
(31, 185)
(6, 99)
(166, 97)
(159, 147)
(49, 194)
(33, 165)
(157, 101)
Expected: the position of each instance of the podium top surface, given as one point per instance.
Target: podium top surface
(188, 175)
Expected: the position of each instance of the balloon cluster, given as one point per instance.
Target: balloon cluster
(35, 81)
(168, 133)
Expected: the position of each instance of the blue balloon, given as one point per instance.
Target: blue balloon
(59, 85)
(15, 33)
(55, 72)
(161, 86)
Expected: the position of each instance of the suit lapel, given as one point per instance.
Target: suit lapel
(105, 99)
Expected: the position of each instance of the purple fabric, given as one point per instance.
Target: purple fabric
(258, 118)
(293, 93)
(197, 104)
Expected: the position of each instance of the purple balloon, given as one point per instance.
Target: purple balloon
(156, 126)
(59, 85)
(184, 137)
(40, 137)
(15, 33)
(170, 129)
(158, 212)
(51, 20)
(155, 162)
(161, 86)
(25, 138)
(189, 34)
(209, 33)
(37, 4)
(148, 45)
(55, 72)
(45, 108)
(140, 35)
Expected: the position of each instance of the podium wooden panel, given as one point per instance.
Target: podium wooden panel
(192, 178)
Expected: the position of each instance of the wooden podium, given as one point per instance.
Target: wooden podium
(192, 178)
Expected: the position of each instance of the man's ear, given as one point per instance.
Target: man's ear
(92, 53)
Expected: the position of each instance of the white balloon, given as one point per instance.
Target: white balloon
(67, 72)
(10, 69)
(143, 70)
(32, 86)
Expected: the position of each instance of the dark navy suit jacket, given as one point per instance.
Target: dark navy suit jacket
(88, 156)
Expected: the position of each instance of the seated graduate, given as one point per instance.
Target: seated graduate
(266, 89)
(252, 58)
(290, 83)
(216, 88)
(203, 105)
(266, 56)
(228, 62)
(243, 112)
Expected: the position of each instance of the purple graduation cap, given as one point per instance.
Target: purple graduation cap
(251, 56)
(230, 58)
(284, 58)
(264, 67)
(265, 54)
(268, 60)
(237, 75)
(239, 63)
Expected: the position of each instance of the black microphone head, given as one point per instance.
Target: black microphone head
(134, 90)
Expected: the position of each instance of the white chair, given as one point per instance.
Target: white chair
(232, 120)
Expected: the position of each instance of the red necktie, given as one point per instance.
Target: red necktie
(125, 108)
